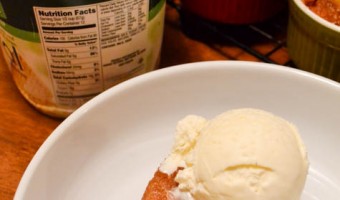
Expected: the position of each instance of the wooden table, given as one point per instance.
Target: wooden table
(23, 129)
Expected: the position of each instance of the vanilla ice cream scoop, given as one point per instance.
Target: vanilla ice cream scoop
(241, 154)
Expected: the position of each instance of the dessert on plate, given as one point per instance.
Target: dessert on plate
(241, 154)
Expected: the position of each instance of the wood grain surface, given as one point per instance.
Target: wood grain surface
(23, 129)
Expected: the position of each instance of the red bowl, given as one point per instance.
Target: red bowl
(234, 11)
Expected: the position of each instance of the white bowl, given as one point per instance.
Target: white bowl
(111, 146)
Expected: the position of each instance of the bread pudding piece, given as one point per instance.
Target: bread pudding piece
(327, 9)
(160, 186)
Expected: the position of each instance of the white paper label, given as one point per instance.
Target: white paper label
(88, 48)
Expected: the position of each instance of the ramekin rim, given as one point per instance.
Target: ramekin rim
(316, 17)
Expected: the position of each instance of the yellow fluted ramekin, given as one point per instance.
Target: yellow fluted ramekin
(313, 43)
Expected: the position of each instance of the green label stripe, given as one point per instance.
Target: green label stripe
(155, 10)
(25, 35)
(2, 12)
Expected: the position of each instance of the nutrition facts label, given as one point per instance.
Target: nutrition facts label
(89, 47)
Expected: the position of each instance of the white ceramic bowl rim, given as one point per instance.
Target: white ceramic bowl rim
(316, 17)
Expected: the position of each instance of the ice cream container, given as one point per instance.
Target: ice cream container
(63, 53)
(234, 11)
(313, 42)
